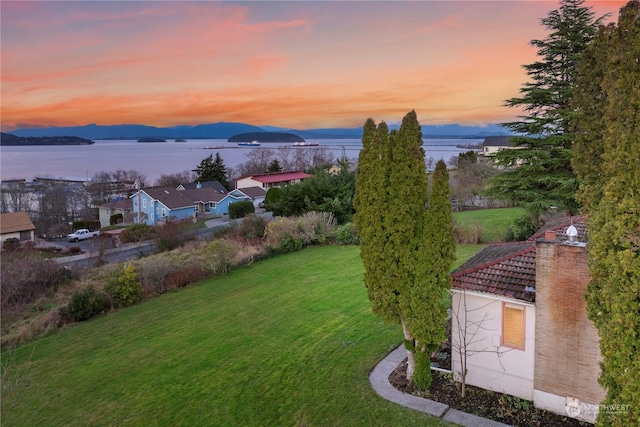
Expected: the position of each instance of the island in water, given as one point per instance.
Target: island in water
(9, 139)
(152, 139)
(266, 137)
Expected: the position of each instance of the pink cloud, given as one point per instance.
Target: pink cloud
(297, 64)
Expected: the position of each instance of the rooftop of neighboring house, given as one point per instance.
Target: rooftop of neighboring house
(509, 269)
(278, 176)
(497, 141)
(174, 199)
(15, 222)
(206, 184)
(118, 204)
(254, 192)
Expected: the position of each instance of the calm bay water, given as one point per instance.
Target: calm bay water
(155, 159)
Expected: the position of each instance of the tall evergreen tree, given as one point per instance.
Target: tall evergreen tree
(611, 190)
(539, 174)
(213, 170)
(392, 221)
(372, 186)
(428, 297)
(274, 166)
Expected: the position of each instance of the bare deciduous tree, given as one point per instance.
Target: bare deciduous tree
(174, 180)
(15, 197)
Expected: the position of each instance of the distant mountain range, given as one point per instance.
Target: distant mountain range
(224, 130)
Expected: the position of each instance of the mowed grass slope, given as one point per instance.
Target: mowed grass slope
(287, 341)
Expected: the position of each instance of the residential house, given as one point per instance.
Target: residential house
(268, 180)
(157, 204)
(119, 206)
(257, 195)
(493, 144)
(16, 225)
(519, 315)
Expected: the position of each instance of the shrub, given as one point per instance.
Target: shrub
(85, 304)
(522, 229)
(274, 194)
(252, 227)
(170, 235)
(316, 227)
(135, 233)
(290, 244)
(222, 253)
(185, 276)
(25, 276)
(125, 288)
(240, 209)
(277, 230)
(347, 234)
(470, 234)
(11, 244)
(74, 250)
(153, 273)
(116, 219)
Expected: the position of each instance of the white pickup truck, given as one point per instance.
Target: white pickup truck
(82, 234)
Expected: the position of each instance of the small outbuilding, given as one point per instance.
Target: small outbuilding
(16, 225)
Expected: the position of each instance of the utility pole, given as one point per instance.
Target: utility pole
(137, 187)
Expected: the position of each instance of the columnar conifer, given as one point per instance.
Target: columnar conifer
(402, 267)
(607, 160)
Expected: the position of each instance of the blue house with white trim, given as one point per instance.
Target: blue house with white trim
(157, 204)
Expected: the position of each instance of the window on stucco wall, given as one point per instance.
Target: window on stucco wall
(513, 326)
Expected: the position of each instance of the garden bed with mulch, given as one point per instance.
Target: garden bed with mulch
(484, 403)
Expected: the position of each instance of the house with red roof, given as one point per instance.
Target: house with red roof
(274, 179)
(520, 324)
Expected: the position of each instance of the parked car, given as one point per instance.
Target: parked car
(82, 234)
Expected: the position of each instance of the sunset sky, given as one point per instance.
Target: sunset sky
(292, 64)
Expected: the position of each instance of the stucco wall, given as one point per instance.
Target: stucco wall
(248, 182)
(489, 364)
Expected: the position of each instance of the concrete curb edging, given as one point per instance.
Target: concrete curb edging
(379, 379)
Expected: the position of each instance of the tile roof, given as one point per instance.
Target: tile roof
(509, 269)
(506, 269)
(14, 222)
(560, 225)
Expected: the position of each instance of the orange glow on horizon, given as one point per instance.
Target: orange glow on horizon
(290, 64)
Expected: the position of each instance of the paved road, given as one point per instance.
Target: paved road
(100, 251)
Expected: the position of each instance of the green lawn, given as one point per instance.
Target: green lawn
(287, 341)
(494, 222)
